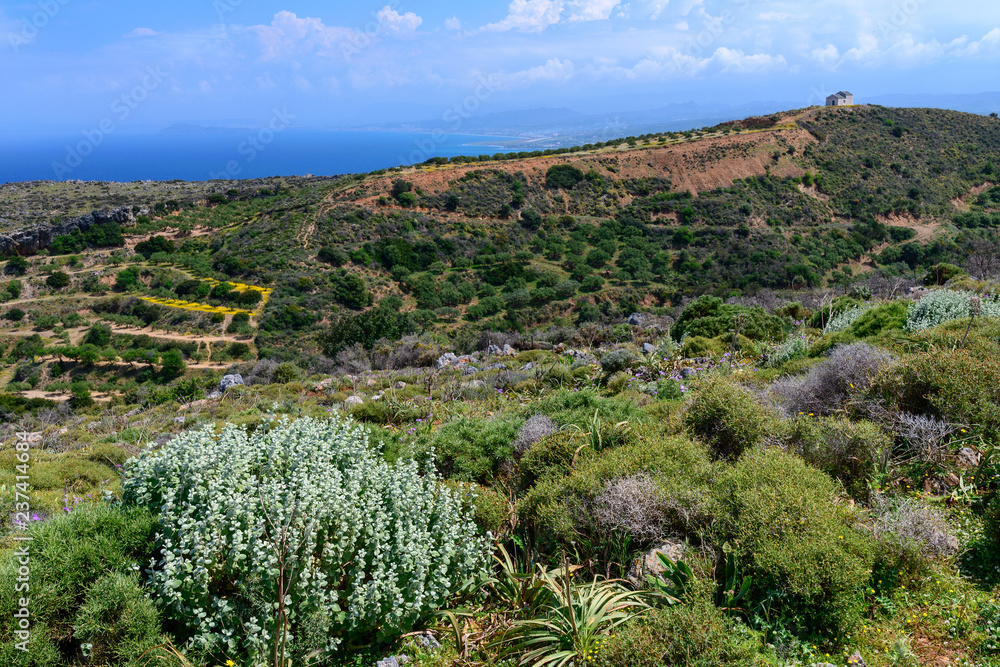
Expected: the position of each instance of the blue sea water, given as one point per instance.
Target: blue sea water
(243, 154)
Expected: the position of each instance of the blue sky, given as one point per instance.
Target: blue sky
(66, 65)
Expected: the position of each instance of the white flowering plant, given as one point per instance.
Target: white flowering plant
(366, 548)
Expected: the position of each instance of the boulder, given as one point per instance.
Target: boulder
(323, 385)
(400, 385)
(447, 359)
(856, 659)
(473, 384)
(469, 370)
(527, 367)
(648, 348)
(428, 641)
(967, 457)
(393, 661)
(649, 563)
(230, 381)
(509, 351)
(635, 319)
(352, 401)
(494, 349)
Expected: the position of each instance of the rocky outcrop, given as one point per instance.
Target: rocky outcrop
(29, 240)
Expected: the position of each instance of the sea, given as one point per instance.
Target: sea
(95, 156)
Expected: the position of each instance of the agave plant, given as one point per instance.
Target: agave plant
(575, 622)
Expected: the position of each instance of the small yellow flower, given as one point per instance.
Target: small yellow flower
(230, 663)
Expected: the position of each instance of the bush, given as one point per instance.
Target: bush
(943, 305)
(473, 449)
(844, 319)
(69, 554)
(910, 529)
(728, 417)
(617, 361)
(939, 274)
(849, 371)
(537, 427)
(954, 385)
(14, 315)
(694, 634)
(847, 450)
(338, 498)
(795, 346)
(118, 620)
(883, 317)
(699, 346)
(794, 540)
(58, 280)
(644, 489)
(562, 176)
(708, 316)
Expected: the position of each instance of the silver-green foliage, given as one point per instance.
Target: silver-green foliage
(845, 319)
(373, 546)
(794, 347)
(943, 305)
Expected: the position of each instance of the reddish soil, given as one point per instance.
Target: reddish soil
(699, 165)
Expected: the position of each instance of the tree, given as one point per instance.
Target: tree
(562, 176)
(80, 396)
(99, 335)
(127, 279)
(172, 363)
(58, 280)
(17, 265)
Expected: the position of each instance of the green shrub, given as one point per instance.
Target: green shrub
(883, 317)
(69, 553)
(699, 346)
(118, 620)
(847, 450)
(375, 546)
(617, 361)
(728, 417)
(472, 449)
(941, 273)
(694, 634)
(843, 320)
(795, 540)
(708, 316)
(551, 456)
(956, 385)
(648, 489)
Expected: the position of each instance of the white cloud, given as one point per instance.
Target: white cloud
(289, 34)
(774, 16)
(989, 44)
(732, 60)
(395, 23)
(592, 10)
(553, 71)
(204, 87)
(828, 55)
(682, 25)
(453, 23)
(529, 16)
(141, 32)
(657, 7)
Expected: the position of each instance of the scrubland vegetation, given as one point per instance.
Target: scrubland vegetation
(549, 417)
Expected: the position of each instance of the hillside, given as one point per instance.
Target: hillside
(722, 397)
